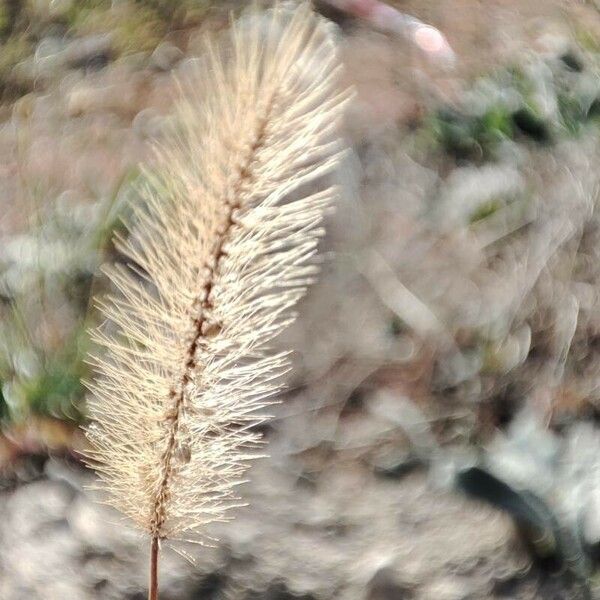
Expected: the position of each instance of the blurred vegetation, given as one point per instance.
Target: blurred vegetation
(539, 102)
(133, 26)
(47, 279)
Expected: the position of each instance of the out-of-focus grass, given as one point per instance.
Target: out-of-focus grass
(57, 390)
(13, 51)
(133, 26)
(506, 106)
(48, 279)
(471, 137)
(487, 209)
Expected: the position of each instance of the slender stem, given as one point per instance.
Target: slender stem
(153, 588)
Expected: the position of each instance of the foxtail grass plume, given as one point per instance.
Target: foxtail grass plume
(218, 252)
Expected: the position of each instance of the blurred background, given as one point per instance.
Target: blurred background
(440, 437)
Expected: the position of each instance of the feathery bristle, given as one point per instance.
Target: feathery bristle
(219, 251)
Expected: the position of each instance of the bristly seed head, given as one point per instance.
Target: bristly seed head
(233, 209)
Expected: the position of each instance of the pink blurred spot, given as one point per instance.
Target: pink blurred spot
(429, 39)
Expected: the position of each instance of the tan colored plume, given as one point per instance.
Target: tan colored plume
(219, 250)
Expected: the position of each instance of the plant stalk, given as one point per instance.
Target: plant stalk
(153, 587)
